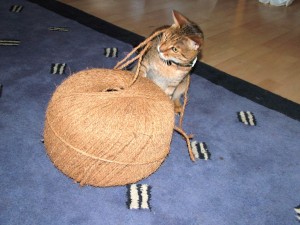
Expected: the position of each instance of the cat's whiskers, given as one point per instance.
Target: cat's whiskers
(163, 59)
(176, 62)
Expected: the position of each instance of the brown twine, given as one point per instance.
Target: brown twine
(184, 101)
(125, 62)
(187, 139)
(93, 170)
(101, 136)
(121, 65)
(180, 129)
(73, 112)
(93, 156)
(146, 44)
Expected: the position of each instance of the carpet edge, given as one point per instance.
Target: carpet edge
(229, 82)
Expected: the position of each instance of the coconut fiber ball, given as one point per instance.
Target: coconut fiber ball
(102, 131)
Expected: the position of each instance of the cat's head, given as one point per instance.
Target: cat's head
(181, 42)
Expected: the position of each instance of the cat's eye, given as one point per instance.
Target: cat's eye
(174, 49)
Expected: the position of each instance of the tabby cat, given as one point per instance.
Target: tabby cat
(172, 56)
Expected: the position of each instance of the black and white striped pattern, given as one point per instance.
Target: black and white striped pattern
(297, 210)
(139, 196)
(9, 42)
(247, 117)
(61, 29)
(111, 52)
(200, 150)
(58, 68)
(16, 8)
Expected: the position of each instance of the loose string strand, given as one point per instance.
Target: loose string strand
(187, 139)
(185, 100)
(137, 72)
(119, 64)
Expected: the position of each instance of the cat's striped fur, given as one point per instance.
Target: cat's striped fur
(172, 56)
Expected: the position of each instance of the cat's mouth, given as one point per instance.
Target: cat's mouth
(170, 62)
(167, 62)
(162, 58)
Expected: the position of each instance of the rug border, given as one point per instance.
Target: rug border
(229, 82)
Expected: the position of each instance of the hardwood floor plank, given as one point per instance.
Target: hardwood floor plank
(247, 39)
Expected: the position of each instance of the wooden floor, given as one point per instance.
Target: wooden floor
(255, 42)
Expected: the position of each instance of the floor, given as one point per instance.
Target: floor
(256, 42)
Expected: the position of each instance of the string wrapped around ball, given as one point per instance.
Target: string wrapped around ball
(109, 127)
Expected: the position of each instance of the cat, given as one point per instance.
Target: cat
(171, 57)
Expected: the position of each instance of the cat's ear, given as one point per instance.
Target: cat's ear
(179, 19)
(196, 42)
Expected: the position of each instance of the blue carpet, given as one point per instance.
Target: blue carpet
(253, 174)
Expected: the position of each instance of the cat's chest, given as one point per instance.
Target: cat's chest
(170, 73)
(167, 78)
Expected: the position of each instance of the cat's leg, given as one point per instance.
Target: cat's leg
(179, 91)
